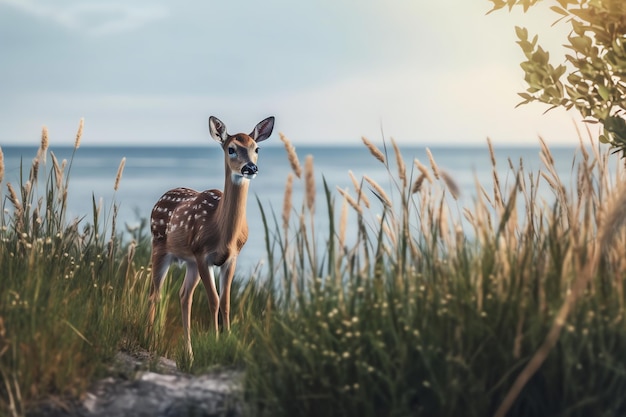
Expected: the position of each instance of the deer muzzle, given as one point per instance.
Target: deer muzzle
(249, 170)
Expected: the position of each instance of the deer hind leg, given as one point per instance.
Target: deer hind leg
(186, 298)
(160, 265)
(226, 279)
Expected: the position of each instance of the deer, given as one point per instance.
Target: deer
(203, 229)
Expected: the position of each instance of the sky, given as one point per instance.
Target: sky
(151, 72)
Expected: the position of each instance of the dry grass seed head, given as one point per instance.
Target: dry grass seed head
(287, 201)
(422, 168)
(14, 198)
(399, 163)
(433, 164)
(451, 184)
(547, 158)
(378, 190)
(376, 153)
(358, 188)
(309, 177)
(343, 223)
(58, 171)
(79, 133)
(43, 148)
(34, 170)
(492, 153)
(118, 177)
(417, 185)
(26, 189)
(291, 155)
(350, 200)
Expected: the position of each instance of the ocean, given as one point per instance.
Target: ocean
(150, 171)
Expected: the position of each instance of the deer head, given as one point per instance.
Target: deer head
(241, 150)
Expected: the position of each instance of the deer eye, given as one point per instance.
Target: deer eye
(257, 150)
(232, 151)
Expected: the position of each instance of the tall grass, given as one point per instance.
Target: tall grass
(70, 288)
(412, 317)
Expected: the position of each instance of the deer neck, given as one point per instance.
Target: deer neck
(231, 213)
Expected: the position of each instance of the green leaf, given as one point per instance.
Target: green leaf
(580, 44)
(559, 10)
(603, 139)
(578, 27)
(497, 5)
(522, 33)
(604, 92)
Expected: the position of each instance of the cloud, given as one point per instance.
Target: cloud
(96, 18)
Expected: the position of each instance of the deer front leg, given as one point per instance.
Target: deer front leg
(186, 297)
(208, 279)
(226, 279)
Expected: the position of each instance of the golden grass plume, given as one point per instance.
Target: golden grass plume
(343, 223)
(309, 179)
(350, 200)
(58, 171)
(118, 177)
(399, 162)
(433, 164)
(43, 148)
(417, 185)
(291, 155)
(358, 187)
(287, 202)
(424, 170)
(373, 150)
(79, 133)
(454, 188)
(14, 198)
(378, 190)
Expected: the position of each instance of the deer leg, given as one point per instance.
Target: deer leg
(186, 297)
(160, 265)
(226, 279)
(208, 279)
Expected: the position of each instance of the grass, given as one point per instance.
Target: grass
(405, 304)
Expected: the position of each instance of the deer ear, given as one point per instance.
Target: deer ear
(217, 129)
(263, 130)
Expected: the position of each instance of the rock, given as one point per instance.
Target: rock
(166, 393)
(154, 394)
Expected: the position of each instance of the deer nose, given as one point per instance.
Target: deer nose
(249, 170)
